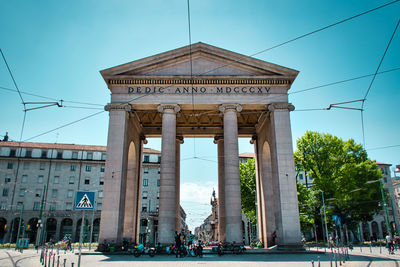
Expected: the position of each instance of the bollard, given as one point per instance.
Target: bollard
(330, 259)
(370, 248)
(58, 261)
(360, 248)
(72, 264)
(312, 263)
(45, 258)
(335, 260)
(319, 261)
(343, 256)
(49, 259)
(54, 258)
(65, 261)
(340, 258)
(380, 248)
(58, 250)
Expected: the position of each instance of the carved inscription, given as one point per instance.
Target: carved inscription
(199, 90)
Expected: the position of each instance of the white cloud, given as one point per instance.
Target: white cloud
(195, 200)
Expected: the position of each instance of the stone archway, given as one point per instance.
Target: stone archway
(66, 227)
(239, 97)
(32, 229)
(3, 229)
(51, 229)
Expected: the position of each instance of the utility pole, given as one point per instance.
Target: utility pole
(20, 222)
(385, 208)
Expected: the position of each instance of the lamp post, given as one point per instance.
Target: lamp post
(383, 202)
(40, 224)
(20, 222)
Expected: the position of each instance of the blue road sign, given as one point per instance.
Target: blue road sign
(84, 200)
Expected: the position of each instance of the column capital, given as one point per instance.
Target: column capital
(161, 108)
(179, 139)
(225, 107)
(118, 106)
(218, 138)
(280, 106)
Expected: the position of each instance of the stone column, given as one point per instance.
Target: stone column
(179, 141)
(233, 209)
(167, 209)
(112, 214)
(221, 189)
(283, 171)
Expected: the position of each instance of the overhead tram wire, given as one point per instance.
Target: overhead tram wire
(278, 45)
(373, 79)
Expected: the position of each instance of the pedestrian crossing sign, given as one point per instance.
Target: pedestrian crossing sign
(84, 200)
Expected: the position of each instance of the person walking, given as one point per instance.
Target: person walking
(177, 244)
(389, 243)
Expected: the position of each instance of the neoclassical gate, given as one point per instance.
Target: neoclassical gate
(200, 91)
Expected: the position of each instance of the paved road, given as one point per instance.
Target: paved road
(375, 258)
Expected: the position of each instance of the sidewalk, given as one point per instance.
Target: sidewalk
(357, 259)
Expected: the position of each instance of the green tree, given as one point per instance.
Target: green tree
(248, 189)
(341, 169)
(307, 205)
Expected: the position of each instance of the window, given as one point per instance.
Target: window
(44, 154)
(36, 205)
(144, 194)
(58, 167)
(145, 170)
(144, 208)
(53, 206)
(70, 193)
(158, 182)
(301, 176)
(40, 179)
(41, 166)
(158, 195)
(143, 222)
(71, 180)
(28, 153)
(26, 165)
(5, 192)
(59, 154)
(68, 206)
(73, 167)
(3, 205)
(24, 178)
(74, 155)
(103, 156)
(88, 168)
(99, 206)
(157, 207)
(22, 192)
(145, 182)
(102, 168)
(38, 192)
(146, 158)
(54, 193)
(13, 152)
(10, 165)
(56, 179)
(100, 194)
(89, 156)
(20, 204)
(7, 180)
(159, 159)
(101, 181)
(87, 181)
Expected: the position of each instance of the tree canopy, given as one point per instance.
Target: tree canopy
(342, 170)
(248, 189)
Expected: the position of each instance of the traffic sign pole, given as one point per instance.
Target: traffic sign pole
(80, 239)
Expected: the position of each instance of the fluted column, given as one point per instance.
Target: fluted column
(179, 141)
(233, 209)
(167, 209)
(219, 140)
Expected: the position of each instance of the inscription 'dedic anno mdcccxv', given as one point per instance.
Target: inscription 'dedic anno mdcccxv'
(199, 90)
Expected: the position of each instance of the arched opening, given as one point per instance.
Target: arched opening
(375, 230)
(3, 229)
(96, 230)
(384, 228)
(365, 231)
(14, 231)
(51, 229)
(31, 229)
(131, 195)
(66, 227)
(85, 236)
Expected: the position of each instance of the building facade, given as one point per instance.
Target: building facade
(32, 172)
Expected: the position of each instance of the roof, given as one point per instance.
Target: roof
(380, 163)
(246, 155)
(66, 146)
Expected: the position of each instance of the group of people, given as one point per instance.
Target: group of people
(67, 241)
(392, 243)
(181, 244)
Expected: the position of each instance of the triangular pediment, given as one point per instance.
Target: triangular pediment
(199, 60)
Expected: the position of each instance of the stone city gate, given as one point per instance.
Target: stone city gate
(200, 91)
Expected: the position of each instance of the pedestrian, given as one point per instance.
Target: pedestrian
(274, 237)
(397, 241)
(177, 244)
(190, 239)
(389, 243)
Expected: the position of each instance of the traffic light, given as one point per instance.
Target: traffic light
(28, 227)
(5, 227)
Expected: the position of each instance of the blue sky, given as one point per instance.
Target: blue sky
(57, 48)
